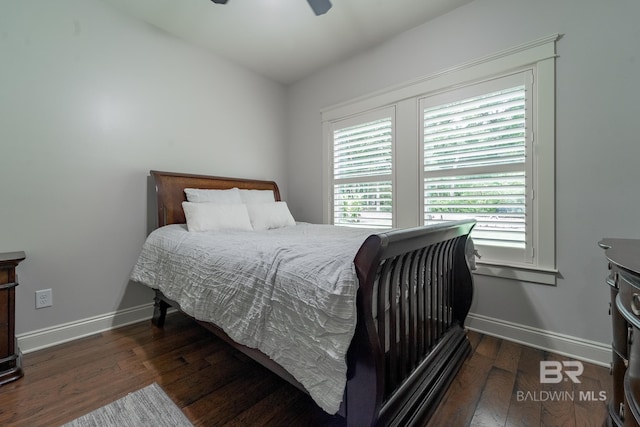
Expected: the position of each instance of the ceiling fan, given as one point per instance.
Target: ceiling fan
(320, 7)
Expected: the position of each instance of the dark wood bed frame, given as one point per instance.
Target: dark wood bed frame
(399, 364)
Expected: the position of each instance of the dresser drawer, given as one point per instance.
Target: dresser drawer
(5, 351)
(632, 380)
(619, 324)
(628, 299)
(4, 304)
(618, 369)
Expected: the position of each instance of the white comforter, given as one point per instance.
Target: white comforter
(289, 292)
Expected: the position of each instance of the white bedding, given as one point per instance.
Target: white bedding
(289, 292)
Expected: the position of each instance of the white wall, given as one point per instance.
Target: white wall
(597, 140)
(90, 101)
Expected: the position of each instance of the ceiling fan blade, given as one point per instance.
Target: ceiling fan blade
(320, 7)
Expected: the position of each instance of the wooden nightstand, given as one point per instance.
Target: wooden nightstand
(10, 356)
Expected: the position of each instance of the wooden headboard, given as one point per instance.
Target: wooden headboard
(170, 191)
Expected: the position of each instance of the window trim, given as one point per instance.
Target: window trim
(539, 55)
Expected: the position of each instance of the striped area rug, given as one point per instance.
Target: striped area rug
(149, 406)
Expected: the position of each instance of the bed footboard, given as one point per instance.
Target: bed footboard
(414, 294)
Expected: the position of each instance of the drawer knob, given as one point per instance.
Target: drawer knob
(635, 304)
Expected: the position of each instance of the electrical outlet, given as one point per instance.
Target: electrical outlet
(44, 298)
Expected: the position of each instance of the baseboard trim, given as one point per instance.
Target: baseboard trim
(48, 337)
(576, 348)
(566, 345)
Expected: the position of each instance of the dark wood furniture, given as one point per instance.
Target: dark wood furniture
(10, 356)
(400, 363)
(624, 285)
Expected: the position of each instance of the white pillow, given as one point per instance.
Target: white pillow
(214, 216)
(265, 216)
(256, 196)
(228, 197)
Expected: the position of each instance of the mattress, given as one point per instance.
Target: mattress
(289, 292)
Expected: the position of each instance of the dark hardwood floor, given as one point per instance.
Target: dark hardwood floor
(216, 386)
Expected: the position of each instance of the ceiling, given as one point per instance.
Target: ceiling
(283, 39)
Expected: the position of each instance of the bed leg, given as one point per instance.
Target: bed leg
(159, 311)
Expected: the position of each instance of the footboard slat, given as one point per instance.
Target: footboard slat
(383, 297)
(428, 279)
(412, 283)
(391, 349)
(420, 308)
(404, 313)
(435, 295)
(423, 293)
(442, 290)
(449, 285)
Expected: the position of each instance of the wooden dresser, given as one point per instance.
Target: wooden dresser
(624, 285)
(10, 357)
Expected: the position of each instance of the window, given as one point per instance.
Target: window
(474, 141)
(362, 170)
(477, 163)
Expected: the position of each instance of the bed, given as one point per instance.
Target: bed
(406, 337)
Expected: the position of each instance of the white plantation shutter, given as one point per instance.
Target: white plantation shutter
(362, 150)
(362, 171)
(476, 163)
(496, 201)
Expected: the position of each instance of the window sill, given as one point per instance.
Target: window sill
(519, 273)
